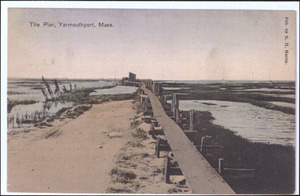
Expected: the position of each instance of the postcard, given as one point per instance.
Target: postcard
(150, 100)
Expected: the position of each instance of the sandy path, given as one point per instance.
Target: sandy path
(73, 156)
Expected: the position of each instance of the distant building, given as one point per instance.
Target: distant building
(132, 76)
(130, 81)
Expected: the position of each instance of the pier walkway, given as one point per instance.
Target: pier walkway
(202, 178)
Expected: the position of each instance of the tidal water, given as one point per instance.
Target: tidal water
(30, 89)
(252, 122)
(248, 121)
(115, 90)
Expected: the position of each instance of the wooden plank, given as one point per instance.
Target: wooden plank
(202, 178)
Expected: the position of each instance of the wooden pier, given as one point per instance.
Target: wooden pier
(201, 176)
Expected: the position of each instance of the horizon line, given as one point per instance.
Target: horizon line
(152, 79)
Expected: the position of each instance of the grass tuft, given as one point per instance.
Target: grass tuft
(135, 123)
(140, 134)
(122, 176)
(136, 145)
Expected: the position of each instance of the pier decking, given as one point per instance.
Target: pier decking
(202, 178)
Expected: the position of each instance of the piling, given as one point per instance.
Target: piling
(145, 104)
(175, 104)
(202, 143)
(221, 165)
(192, 120)
(166, 173)
(57, 90)
(48, 87)
(177, 117)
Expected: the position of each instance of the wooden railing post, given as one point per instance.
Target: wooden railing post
(202, 143)
(175, 104)
(177, 115)
(221, 165)
(164, 101)
(191, 120)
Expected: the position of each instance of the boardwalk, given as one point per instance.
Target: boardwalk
(202, 178)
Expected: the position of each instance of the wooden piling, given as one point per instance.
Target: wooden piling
(221, 165)
(161, 145)
(166, 173)
(174, 103)
(164, 101)
(177, 117)
(192, 120)
(157, 149)
(48, 87)
(169, 170)
(57, 90)
(64, 88)
(44, 93)
(202, 143)
(145, 104)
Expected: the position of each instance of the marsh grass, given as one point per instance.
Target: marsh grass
(77, 111)
(274, 165)
(62, 110)
(12, 103)
(83, 96)
(228, 92)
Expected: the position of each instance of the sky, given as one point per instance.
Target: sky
(159, 44)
